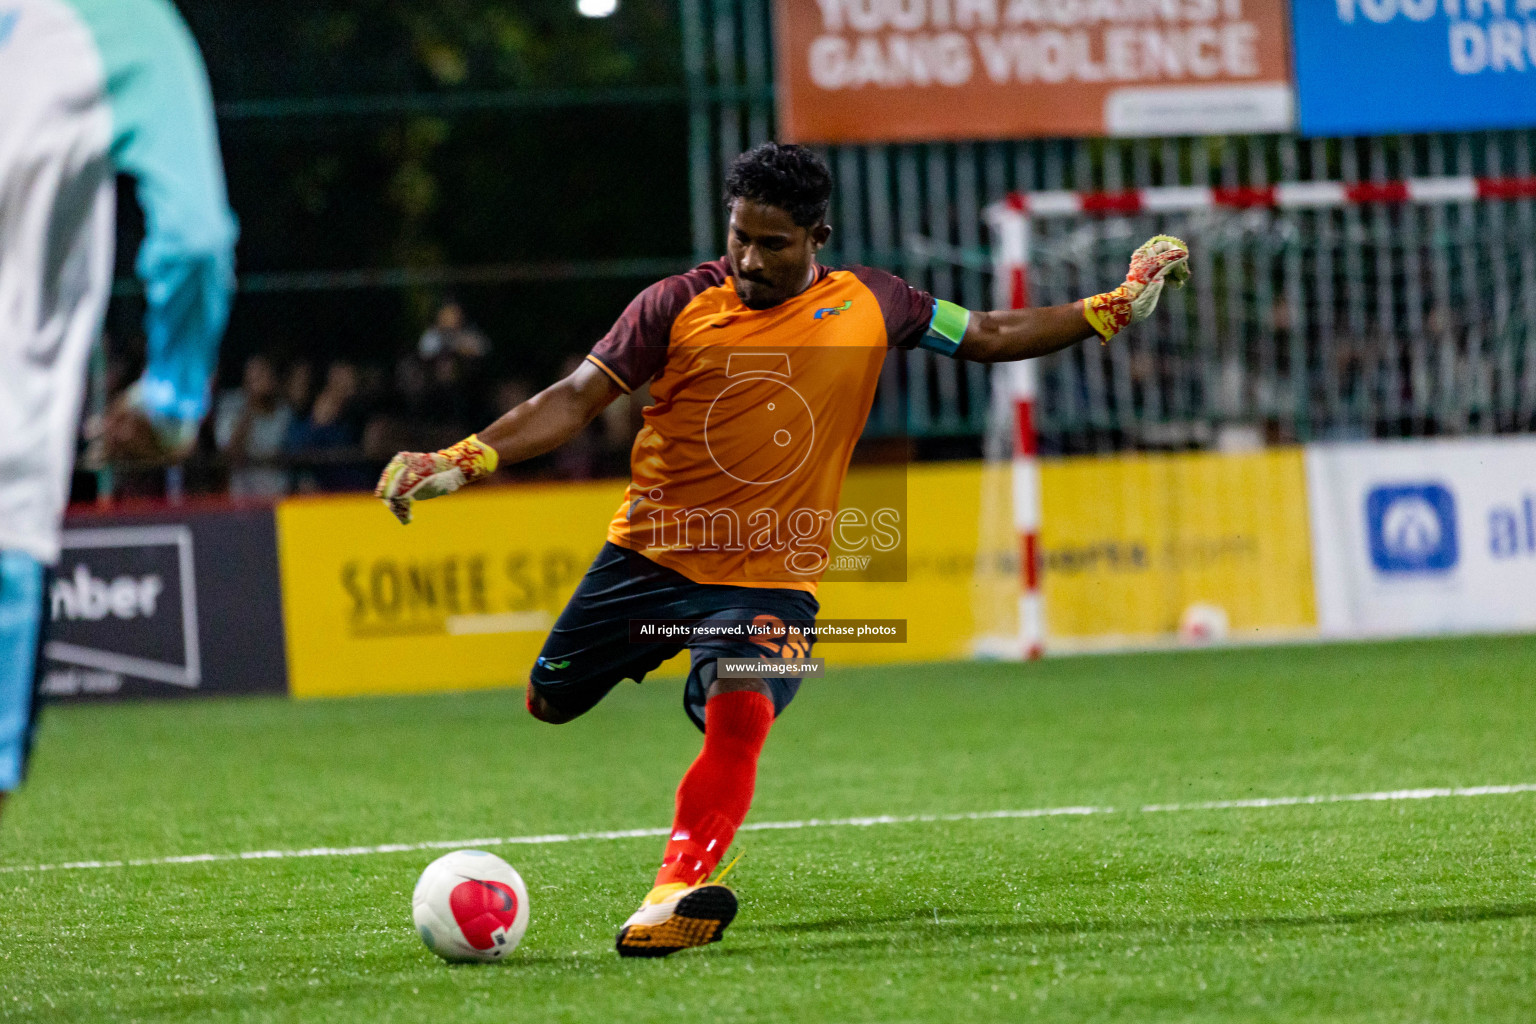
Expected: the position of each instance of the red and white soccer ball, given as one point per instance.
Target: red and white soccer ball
(1204, 623)
(470, 905)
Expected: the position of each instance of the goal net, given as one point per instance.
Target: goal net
(1318, 311)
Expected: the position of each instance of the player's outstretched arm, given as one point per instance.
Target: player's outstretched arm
(165, 137)
(541, 424)
(1011, 334)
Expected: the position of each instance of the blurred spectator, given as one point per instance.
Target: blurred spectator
(412, 386)
(374, 389)
(455, 388)
(329, 437)
(279, 435)
(413, 418)
(299, 386)
(250, 425)
(580, 457)
(452, 334)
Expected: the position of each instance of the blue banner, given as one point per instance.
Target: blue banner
(1376, 67)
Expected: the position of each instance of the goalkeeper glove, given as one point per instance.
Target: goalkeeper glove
(1161, 259)
(416, 476)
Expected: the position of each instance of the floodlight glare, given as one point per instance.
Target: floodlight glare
(597, 8)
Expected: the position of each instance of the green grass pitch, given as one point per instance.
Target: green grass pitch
(1406, 910)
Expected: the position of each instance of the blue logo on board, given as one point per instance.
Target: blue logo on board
(1412, 528)
(8, 20)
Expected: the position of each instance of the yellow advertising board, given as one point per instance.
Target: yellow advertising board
(460, 599)
(936, 597)
(464, 596)
(1129, 542)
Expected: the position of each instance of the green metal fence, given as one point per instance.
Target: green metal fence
(1302, 325)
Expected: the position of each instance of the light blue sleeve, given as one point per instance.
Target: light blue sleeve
(164, 136)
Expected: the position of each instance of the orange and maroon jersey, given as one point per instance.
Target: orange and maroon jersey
(737, 472)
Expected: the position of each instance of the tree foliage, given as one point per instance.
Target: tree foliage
(338, 189)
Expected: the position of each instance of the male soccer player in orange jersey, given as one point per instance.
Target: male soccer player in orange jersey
(762, 367)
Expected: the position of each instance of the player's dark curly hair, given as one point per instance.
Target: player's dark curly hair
(790, 177)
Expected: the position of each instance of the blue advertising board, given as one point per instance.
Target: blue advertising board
(1375, 67)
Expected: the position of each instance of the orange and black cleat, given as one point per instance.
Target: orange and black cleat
(677, 916)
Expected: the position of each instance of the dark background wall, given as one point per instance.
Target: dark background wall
(435, 137)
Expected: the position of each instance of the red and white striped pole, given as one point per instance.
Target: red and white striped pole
(1010, 228)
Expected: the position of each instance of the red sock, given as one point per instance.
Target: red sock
(533, 709)
(716, 792)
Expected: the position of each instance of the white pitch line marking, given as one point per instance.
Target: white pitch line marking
(770, 826)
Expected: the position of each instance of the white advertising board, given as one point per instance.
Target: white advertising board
(1418, 537)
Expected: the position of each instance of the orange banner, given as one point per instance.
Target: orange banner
(923, 70)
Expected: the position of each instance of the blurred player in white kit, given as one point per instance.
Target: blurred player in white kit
(90, 89)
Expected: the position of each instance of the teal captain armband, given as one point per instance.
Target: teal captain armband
(946, 329)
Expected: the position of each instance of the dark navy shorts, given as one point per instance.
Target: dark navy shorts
(590, 649)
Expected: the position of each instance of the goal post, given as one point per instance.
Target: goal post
(1318, 310)
(1015, 392)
